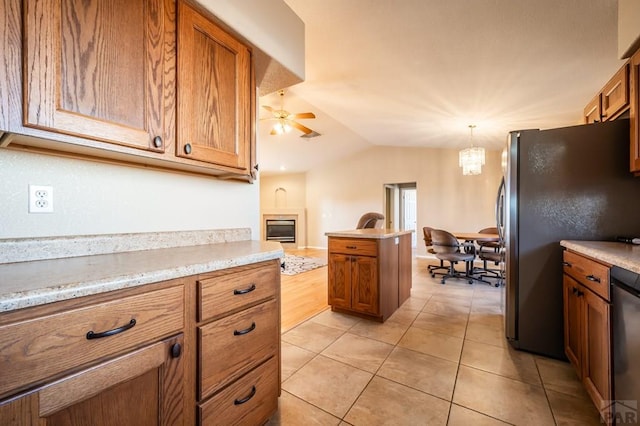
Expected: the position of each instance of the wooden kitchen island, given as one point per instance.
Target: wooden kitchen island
(369, 271)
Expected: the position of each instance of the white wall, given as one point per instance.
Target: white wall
(294, 195)
(339, 194)
(100, 198)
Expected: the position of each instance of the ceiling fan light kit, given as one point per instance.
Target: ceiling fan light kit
(285, 121)
(471, 159)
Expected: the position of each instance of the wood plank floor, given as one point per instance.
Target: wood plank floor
(303, 295)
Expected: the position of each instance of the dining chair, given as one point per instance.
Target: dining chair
(448, 248)
(491, 251)
(371, 220)
(433, 269)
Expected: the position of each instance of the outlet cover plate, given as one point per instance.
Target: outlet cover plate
(40, 199)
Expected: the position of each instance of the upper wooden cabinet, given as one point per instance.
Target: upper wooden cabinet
(634, 117)
(102, 80)
(99, 70)
(592, 112)
(214, 93)
(613, 99)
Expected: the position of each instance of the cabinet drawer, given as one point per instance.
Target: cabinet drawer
(232, 291)
(356, 246)
(248, 401)
(33, 350)
(591, 274)
(231, 346)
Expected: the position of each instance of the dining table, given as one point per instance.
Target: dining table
(477, 236)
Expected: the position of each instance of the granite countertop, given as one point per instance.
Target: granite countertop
(625, 256)
(31, 283)
(368, 233)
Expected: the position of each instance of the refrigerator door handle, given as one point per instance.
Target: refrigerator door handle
(500, 210)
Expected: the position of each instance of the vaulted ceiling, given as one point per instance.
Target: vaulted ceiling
(418, 72)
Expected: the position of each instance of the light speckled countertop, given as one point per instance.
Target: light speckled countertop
(378, 234)
(31, 283)
(625, 256)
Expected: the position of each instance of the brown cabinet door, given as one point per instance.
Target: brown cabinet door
(214, 93)
(596, 357)
(143, 387)
(97, 69)
(364, 287)
(615, 95)
(634, 112)
(592, 111)
(572, 322)
(339, 280)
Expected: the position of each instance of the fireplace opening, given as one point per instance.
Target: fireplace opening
(281, 230)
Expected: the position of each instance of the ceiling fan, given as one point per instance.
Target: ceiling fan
(285, 121)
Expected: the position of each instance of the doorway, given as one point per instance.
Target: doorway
(401, 208)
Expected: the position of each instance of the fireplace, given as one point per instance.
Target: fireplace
(295, 226)
(281, 230)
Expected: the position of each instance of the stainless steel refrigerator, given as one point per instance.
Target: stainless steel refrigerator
(569, 183)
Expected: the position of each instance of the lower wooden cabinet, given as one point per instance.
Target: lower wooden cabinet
(238, 345)
(143, 387)
(370, 277)
(587, 329)
(198, 350)
(112, 358)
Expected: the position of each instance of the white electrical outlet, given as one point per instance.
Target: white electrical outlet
(40, 199)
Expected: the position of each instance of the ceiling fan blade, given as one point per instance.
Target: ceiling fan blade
(268, 108)
(302, 115)
(300, 127)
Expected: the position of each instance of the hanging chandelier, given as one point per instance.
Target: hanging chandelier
(471, 159)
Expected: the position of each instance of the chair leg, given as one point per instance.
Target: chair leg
(456, 274)
(434, 268)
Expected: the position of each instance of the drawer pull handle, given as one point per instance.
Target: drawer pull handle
(246, 398)
(352, 247)
(592, 278)
(567, 264)
(245, 290)
(92, 335)
(245, 331)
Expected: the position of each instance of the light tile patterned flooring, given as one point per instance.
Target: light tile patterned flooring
(441, 359)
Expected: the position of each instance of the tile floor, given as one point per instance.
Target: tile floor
(441, 359)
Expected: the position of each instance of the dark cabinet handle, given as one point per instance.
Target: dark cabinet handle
(577, 292)
(157, 142)
(187, 149)
(246, 398)
(352, 247)
(245, 290)
(176, 350)
(245, 331)
(592, 278)
(92, 335)
(567, 264)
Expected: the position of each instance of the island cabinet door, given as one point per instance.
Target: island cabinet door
(364, 287)
(340, 280)
(143, 387)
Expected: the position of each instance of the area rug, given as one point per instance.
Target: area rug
(297, 264)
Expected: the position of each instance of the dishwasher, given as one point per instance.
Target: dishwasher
(625, 336)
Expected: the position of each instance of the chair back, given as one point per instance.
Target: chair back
(427, 236)
(370, 220)
(489, 244)
(444, 242)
